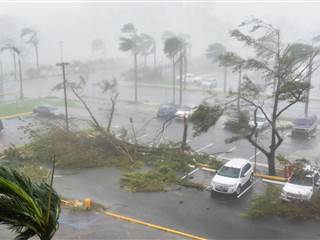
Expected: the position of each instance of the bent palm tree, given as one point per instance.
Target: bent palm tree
(30, 37)
(11, 47)
(24, 206)
(172, 46)
(132, 43)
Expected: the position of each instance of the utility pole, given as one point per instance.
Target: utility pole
(239, 88)
(63, 65)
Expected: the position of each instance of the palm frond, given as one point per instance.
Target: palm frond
(23, 205)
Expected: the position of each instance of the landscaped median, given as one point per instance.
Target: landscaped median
(24, 107)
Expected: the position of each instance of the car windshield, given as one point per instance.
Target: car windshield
(300, 180)
(229, 172)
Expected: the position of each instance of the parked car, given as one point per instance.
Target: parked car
(167, 111)
(48, 111)
(208, 83)
(1, 125)
(305, 126)
(262, 122)
(232, 176)
(183, 111)
(234, 116)
(301, 186)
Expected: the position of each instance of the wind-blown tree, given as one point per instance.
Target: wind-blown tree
(28, 208)
(99, 46)
(30, 36)
(10, 46)
(148, 47)
(282, 65)
(132, 43)
(213, 52)
(172, 47)
(315, 42)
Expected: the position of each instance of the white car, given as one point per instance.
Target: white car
(232, 176)
(183, 111)
(262, 122)
(301, 187)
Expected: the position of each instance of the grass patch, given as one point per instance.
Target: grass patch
(269, 204)
(27, 105)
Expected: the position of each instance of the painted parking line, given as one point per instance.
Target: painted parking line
(154, 226)
(190, 173)
(228, 151)
(203, 148)
(249, 187)
(252, 157)
(15, 115)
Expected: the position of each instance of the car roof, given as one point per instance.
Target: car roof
(237, 162)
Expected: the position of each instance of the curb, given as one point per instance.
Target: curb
(15, 115)
(165, 229)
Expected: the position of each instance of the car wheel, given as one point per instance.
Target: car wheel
(238, 191)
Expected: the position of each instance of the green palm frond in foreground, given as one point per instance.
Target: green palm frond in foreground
(24, 206)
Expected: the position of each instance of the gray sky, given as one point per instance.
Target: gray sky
(77, 24)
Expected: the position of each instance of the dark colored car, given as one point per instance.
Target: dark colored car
(167, 111)
(305, 126)
(1, 126)
(48, 111)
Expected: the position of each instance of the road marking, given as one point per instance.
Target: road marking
(142, 136)
(161, 228)
(247, 189)
(201, 149)
(252, 157)
(228, 151)
(190, 173)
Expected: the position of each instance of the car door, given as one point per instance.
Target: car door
(245, 173)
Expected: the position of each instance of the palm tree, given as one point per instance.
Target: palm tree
(148, 47)
(132, 43)
(16, 51)
(98, 45)
(28, 208)
(213, 52)
(30, 36)
(172, 46)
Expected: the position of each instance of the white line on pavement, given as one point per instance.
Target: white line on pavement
(201, 149)
(247, 189)
(228, 151)
(189, 140)
(190, 173)
(252, 157)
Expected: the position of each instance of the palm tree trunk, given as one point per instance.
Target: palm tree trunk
(181, 78)
(155, 57)
(37, 58)
(185, 69)
(225, 72)
(174, 81)
(15, 66)
(135, 78)
(20, 77)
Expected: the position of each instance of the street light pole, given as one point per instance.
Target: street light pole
(63, 65)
